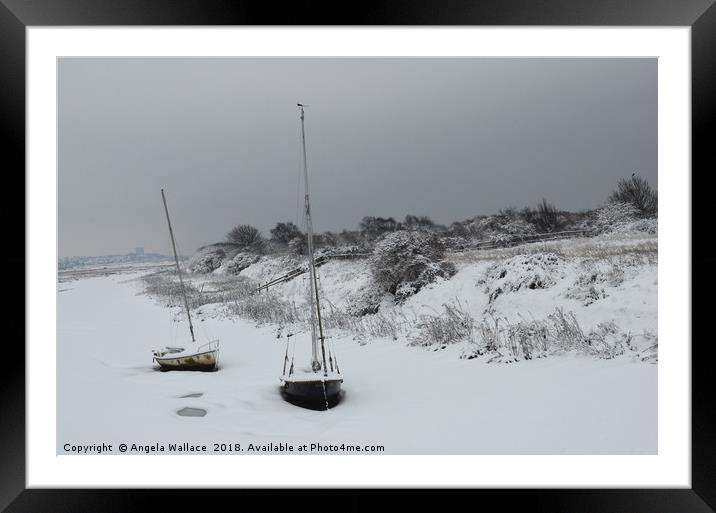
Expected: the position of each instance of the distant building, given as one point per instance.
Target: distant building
(139, 251)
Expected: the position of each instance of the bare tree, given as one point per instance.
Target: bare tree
(546, 217)
(245, 236)
(636, 191)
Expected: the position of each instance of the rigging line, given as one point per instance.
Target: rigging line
(170, 296)
(298, 184)
(330, 355)
(285, 358)
(203, 327)
(335, 360)
(293, 354)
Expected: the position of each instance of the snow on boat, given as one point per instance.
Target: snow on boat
(204, 357)
(319, 387)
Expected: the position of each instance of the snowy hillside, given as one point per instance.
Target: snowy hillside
(602, 289)
(418, 377)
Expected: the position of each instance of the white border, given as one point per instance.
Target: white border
(671, 467)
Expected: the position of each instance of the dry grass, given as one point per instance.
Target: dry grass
(645, 248)
(454, 324)
(164, 286)
(268, 307)
(510, 341)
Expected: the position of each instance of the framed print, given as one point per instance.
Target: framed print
(405, 248)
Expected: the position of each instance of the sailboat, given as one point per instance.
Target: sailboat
(321, 384)
(204, 357)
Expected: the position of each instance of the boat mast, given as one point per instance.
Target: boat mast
(176, 261)
(315, 364)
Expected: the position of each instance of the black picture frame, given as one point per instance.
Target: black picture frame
(16, 15)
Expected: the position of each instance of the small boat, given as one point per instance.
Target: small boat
(204, 357)
(318, 387)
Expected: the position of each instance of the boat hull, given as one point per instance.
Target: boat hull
(206, 361)
(311, 393)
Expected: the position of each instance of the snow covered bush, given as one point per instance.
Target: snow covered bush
(535, 271)
(404, 262)
(365, 301)
(649, 226)
(430, 273)
(622, 218)
(299, 245)
(240, 262)
(645, 346)
(612, 215)
(586, 291)
(500, 228)
(347, 250)
(456, 243)
(206, 260)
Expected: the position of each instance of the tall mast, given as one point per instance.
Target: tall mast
(315, 364)
(176, 261)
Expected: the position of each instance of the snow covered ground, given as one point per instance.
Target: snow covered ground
(410, 400)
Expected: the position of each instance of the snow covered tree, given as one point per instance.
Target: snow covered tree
(636, 191)
(373, 227)
(284, 232)
(417, 223)
(299, 244)
(349, 237)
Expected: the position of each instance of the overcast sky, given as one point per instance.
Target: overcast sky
(446, 138)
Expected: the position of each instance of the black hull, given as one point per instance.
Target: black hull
(311, 394)
(194, 367)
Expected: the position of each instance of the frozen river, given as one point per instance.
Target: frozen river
(407, 400)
